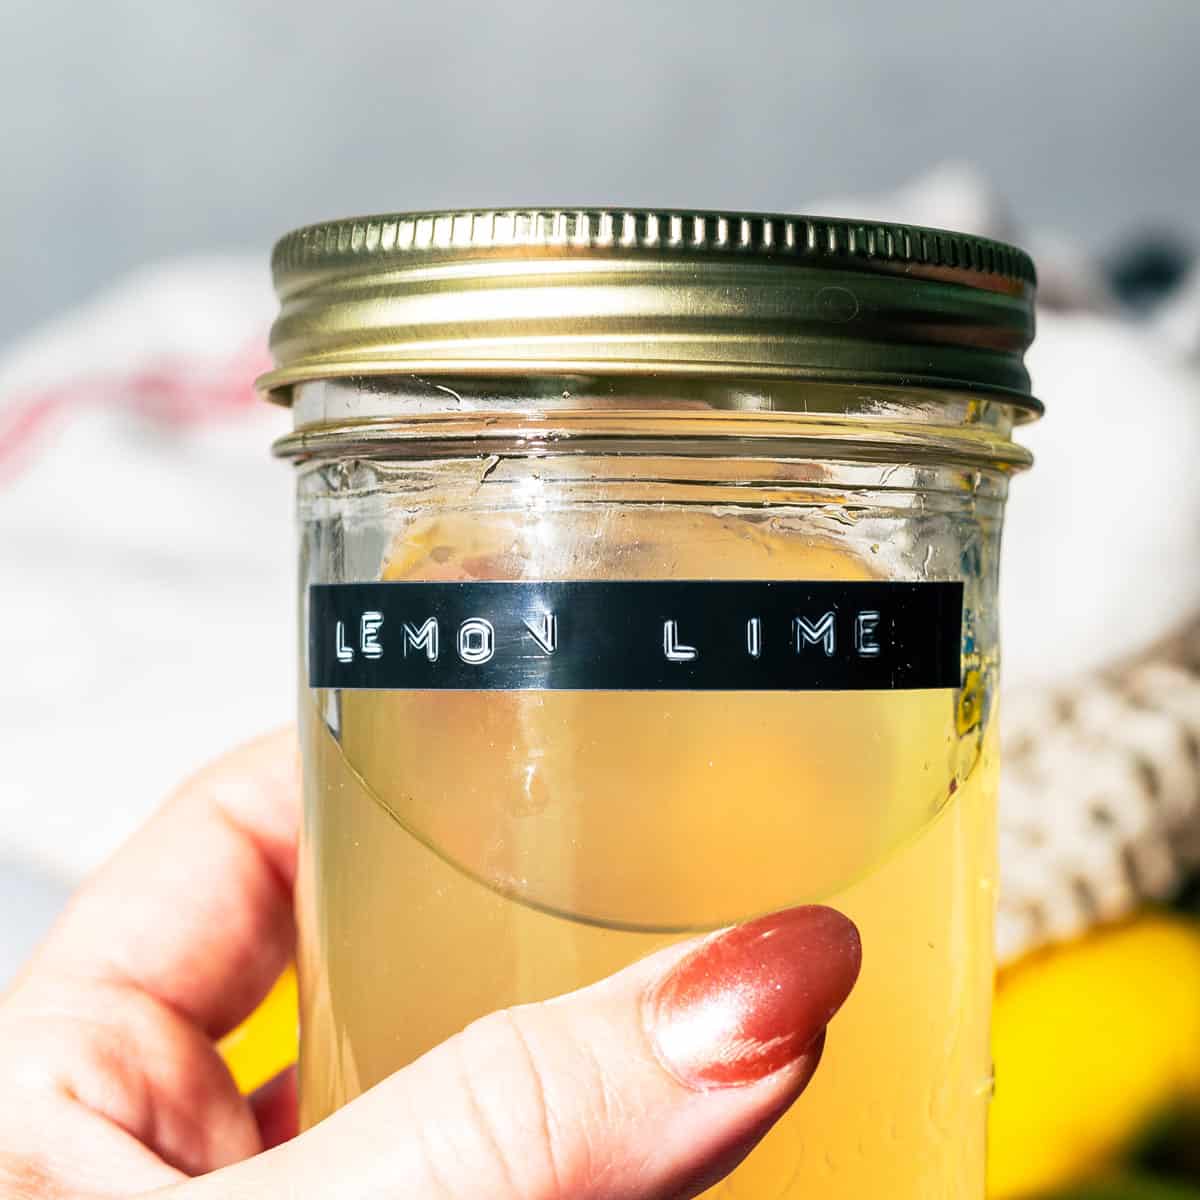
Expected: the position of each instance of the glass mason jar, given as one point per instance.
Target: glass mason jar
(648, 576)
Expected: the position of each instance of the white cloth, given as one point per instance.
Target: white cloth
(144, 532)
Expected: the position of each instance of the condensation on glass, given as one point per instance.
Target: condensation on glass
(773, 415)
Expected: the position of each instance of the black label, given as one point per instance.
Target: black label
(636, 636)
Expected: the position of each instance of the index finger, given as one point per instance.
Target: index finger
(196, 908)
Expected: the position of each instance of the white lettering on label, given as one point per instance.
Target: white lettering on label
(476, 641)
(369, 641)
(673, 648)
(819, 634)
(344, 653)
(425, 638)
(866, 624)
(544, 630)
(754, 637)
(477, 637)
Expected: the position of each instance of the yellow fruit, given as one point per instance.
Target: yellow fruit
(1091, 1041)
(265, 1042)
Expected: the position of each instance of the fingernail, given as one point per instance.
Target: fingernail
(752, 999)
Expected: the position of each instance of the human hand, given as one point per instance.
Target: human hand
(652, 1083)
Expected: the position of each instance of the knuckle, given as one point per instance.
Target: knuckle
(23, 1179)
(507, 1083)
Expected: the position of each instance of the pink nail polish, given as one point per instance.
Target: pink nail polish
(754, 998)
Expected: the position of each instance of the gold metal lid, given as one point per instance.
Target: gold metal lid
(647, 292)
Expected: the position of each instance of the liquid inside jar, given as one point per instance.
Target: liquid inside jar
(472, 850)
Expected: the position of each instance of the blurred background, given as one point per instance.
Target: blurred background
(136, 131)
(153, 152)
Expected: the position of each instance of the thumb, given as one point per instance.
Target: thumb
(654, 1082)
